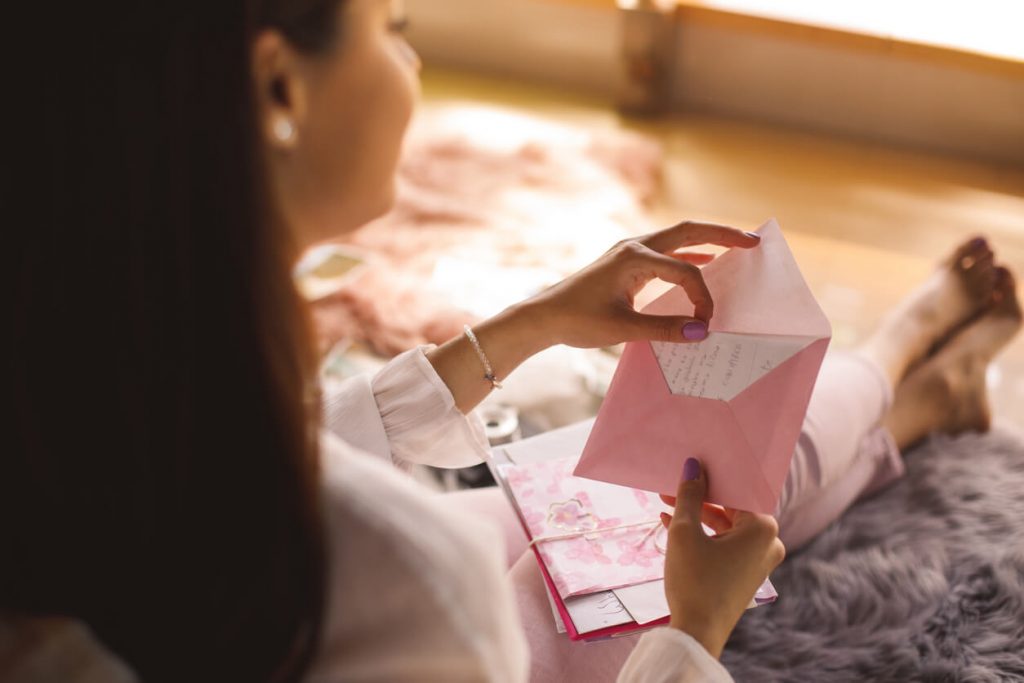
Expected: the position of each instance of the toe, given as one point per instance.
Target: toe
(982, 275)
(972, 252)
(1004, 293)
(973, 262)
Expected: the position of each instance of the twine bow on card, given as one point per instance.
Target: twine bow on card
(572, 516)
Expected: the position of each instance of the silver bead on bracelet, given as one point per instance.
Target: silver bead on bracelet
(488, 370)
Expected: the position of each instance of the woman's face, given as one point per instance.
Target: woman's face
(334, 121)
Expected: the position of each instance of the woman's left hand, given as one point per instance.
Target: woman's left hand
(594, 307)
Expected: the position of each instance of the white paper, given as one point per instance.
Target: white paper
(725, 363)
(645, 602)
(559, 624)
(596, 611)
(558, 443)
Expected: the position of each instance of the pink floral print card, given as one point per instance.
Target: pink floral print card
(592, 536)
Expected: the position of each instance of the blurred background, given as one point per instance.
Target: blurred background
(879, 134)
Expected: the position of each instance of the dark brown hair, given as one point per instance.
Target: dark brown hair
(159, 474)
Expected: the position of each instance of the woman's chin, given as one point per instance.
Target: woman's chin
(380, 208)
(340, 223)
(387, 201)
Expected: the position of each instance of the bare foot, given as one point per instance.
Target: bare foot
(947, 391)
(959, 290)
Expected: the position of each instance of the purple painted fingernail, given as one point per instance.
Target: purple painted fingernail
(978, 242)
(695, 331)
(752, 234)
(691, 469)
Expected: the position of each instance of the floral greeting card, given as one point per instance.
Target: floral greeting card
(591, 535)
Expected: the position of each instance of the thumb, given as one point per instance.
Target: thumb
(690, 496)
(669, 328)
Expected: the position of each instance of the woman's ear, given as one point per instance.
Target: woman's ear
(281, 90)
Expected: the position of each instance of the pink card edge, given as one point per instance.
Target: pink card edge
(570, 627)
(563, 613)
(604, 633)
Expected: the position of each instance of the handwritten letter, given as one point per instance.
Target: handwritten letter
(724, 364)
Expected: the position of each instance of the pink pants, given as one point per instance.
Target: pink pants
(842, 454)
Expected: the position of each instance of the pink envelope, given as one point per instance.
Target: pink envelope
(736, 401)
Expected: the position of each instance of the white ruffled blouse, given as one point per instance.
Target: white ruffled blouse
(417, 591)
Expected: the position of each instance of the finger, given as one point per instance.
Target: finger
(715, 518)
(666, 519)
(688, 233)
(696, 258)
(690, 497)
(776, 554)
(756, 525)
(666, 328)
(731, 513)
(686, 275)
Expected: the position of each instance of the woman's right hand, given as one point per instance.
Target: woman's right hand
(710, 580)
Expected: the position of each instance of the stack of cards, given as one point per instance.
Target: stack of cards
(601, 547)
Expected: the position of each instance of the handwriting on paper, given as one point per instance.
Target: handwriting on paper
(596, 611)
(724, 364)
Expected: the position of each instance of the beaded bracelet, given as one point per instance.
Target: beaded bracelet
(488, 371)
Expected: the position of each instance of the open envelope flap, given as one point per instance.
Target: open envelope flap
(756, 291)
(771, 412)
(644, 433)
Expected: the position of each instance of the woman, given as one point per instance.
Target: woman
(190, 496)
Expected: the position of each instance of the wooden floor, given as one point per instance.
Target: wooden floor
(865, 222)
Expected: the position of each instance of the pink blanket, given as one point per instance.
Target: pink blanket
(498, 193)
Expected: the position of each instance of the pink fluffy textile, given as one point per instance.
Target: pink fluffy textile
(482, 194)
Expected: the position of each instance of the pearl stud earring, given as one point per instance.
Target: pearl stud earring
(284, 130)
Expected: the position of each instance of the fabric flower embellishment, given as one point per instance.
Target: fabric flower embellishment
(570, 515)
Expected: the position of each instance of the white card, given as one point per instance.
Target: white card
(596, 611)
(645, 602)
(725, 363)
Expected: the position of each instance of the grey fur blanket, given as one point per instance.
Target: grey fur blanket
(922, 582)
